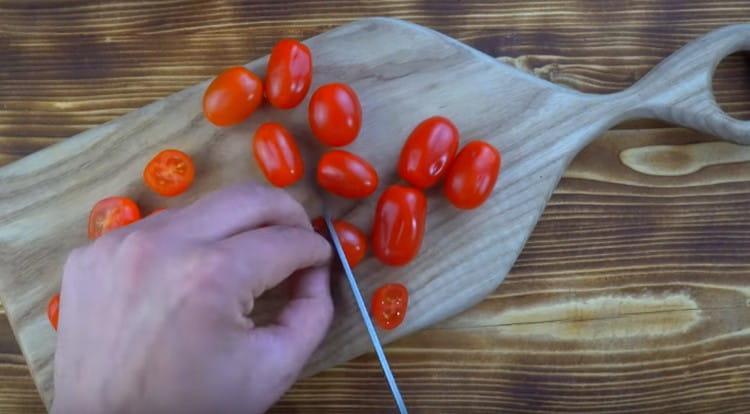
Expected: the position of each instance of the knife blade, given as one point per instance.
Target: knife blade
(365, 315)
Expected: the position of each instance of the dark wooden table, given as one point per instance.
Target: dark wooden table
(633, 294)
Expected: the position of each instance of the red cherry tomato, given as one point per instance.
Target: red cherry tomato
(353, 241)
(289, 74)
(169, 173)
(277, 155)
(389, 304)
(319, 225)
(111, 213)
(472, 176)
(428, 152)
(335, 114)
(232, 96)
(346, 175)
(399, 225)
(53, 310)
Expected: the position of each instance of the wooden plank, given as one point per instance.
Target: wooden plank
(585, 45)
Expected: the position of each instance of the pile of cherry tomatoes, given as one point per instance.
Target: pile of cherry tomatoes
(429, 155)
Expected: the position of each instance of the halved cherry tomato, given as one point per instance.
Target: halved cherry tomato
(346, 174)
(353, 240)
(428, 152)
(169, 173)
(335, 114)
(399, 225)
(53, 310)
(277, 155)
(232, 96)
(473, 175)
(111, 213)
(389, 304)
(289, 74)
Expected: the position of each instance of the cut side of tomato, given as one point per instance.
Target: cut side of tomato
(53, 310)
(112, 213)
(169, 173)
(389, 304)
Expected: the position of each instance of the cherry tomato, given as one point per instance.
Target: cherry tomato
(472, 176)
(277, 155)
(353, 241)
(53, 310)
(112, 213)
(399, 225)
(289, 74)
(335, 114)
(232, 96)
(319, 225)
(169, 173)
(346, 174)
(389, 304)
(428, 152)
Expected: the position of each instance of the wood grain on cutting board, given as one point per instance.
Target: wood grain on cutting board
(584, 217)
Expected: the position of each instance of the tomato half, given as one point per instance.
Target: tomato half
(289, 74)
(399, 225)
(353, 241)
(428, 152)
(335, 114)
(169, 173)
(277, 155)
(232, 96)
(112, 213)
(389, 304)
(346, 174)
(53, 310)
(473, 175)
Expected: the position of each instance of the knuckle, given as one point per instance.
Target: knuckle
(137, 245)
(205, 265)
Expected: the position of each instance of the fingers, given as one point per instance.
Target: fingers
(264, 257)
(234, 210)
(303, 323)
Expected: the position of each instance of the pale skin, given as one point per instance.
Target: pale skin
(154, 316)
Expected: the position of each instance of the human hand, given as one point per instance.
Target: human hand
(153, 316)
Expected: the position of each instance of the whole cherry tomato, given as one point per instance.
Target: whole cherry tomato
(53, 310)
(277, 155)
(232, 96)
(169, 173)
(399, 225)
(389, 304)
(353, 241)
(111, 213)
(428, 152)
(289, 74)
(335, 114)
(472, 177)
(346, 175)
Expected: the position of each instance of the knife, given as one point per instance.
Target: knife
(365, 315)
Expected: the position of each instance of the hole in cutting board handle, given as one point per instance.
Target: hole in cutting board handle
(731, 85)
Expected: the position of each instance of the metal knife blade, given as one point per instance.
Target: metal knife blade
(365, 315)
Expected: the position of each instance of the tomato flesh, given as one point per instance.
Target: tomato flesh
(53, 310)
(112, 213)
(335, 114)
(428, 152)
(389, 305)
(346, 174)
(473, 175)
(399, 225)
(277, 154)
(169, 173)
(289, 74)
(232, 97)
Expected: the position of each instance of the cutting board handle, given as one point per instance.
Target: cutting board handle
(679, 90)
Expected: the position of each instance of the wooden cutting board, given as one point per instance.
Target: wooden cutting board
(403, 73)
